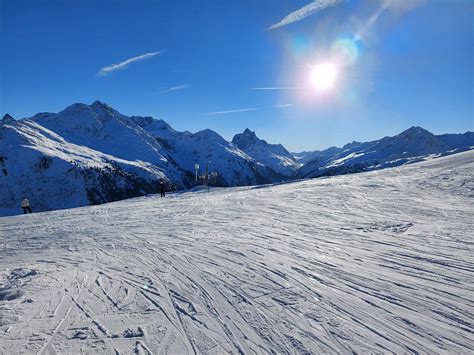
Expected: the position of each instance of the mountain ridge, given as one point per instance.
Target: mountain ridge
(413, 144)
(91, 154)
(274, 155)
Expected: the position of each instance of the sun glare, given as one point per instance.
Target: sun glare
(323, 76)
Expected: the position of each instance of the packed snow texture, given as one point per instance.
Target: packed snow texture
(373, 262)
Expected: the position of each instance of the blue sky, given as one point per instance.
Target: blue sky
(397, 64)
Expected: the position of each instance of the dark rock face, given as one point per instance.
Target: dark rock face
(7, 119)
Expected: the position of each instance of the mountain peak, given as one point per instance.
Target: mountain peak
(103, 107)
(208, 134)
(272, 155)
(251, 135)
(351, 145)
(8, 119)
(245, 139)
(99, 104)
(416, 130)
(76, 107)
(103, 110)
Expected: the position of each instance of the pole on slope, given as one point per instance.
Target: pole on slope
(214, 175)
(196, 168)
(207, 175)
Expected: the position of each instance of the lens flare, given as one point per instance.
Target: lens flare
(345, 51)
(323, 76)
(300, 46)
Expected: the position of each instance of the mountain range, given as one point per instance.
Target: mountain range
(412, 145)
(91, 154)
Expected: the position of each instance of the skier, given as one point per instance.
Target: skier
(162, 188)
(25, 204)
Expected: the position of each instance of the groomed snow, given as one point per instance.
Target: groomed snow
(372, 262)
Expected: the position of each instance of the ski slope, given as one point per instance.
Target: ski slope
(371, 262)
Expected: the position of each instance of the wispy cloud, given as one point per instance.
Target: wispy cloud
(372, 20)
(276, 88)
(282, 105)
(122, 65)
(174, 88)
(232, 111)
(397, 7)
(305, 11)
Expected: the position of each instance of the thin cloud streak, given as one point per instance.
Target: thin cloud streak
(371, 21)
(305, 11)
(122, 65)
(276, 88)
(174, 88)
(398, 7)
(283, 105)
(232, 111)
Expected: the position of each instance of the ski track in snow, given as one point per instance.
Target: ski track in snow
(372, 262)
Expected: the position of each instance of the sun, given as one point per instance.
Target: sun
(323, 76)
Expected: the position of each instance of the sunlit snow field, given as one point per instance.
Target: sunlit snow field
(371, 262)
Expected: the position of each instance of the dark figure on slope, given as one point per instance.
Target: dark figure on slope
(25, 204)
(162, 188)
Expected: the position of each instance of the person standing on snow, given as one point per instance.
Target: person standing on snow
(162, 188)
(25, 204)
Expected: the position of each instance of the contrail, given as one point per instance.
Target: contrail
(282, 105)
(174, 88)
(122, 65)
(305, 11)
(232, 111)
(276, 88)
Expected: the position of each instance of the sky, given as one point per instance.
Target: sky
(305, 74)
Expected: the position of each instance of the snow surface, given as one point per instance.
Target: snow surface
(373, 262)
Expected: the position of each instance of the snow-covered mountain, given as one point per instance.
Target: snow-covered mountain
(55, 173)
(271, 155)
(102, 128)
(210, 151)
(306, 156)
(412, 145)
(88, 154)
